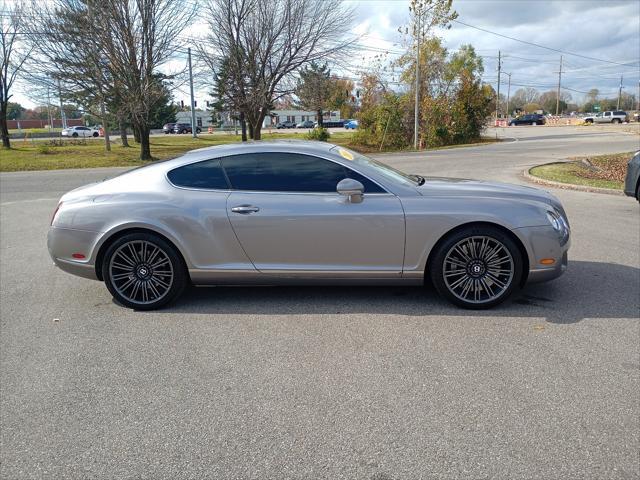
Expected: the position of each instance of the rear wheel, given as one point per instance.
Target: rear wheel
(144, 272)
(616, 120)
(638, 191)
(476, 267)
(588, 120)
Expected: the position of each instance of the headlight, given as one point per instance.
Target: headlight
(554, 220)
(559, 224)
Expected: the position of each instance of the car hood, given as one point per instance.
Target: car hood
(460, 187)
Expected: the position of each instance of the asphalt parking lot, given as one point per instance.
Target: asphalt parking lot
(354, 383)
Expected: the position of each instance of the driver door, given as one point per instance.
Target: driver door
(289, 218)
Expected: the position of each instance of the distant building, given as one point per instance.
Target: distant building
(298, 116)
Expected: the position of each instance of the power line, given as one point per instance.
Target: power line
(543, 46)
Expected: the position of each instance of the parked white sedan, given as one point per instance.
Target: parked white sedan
(80, 132)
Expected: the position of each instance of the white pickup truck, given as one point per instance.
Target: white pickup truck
(608, 117)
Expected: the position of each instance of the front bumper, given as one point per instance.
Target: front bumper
(544, 243)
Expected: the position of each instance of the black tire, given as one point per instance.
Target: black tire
(638, 191)
(198, 130)
(75, 134)
(168, 286)
(616, 120)
(95, 134)
(483, 281)
(184, 130)
(588, 121)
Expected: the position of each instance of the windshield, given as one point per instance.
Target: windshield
(382, 168)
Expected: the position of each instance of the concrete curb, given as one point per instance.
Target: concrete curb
(566, 186)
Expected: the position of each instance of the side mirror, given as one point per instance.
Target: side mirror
(352, 189)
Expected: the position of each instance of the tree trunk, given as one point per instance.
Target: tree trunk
(145, 145)
(123, 132)
(136, 133)
(320, 122)
(250, 125)
(243, 125)
(257, 128)
(4, 130)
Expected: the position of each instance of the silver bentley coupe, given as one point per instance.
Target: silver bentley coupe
(290, 212)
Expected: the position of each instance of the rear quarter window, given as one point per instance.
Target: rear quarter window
(203, 175)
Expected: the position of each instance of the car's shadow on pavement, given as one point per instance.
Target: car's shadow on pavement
(586, 290)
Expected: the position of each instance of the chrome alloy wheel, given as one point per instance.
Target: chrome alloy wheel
(478, 269)
(141, 272)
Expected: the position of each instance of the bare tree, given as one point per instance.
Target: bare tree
(110, 52)
(13, 53)
(266, 42)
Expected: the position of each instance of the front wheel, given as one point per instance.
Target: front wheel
(476, 267)
(95, 134)
(143, 272)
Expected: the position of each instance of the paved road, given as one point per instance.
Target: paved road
(354, 383)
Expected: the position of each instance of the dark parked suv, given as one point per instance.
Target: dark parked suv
(286, 124)
(529, 119)
(168, 127)
(185, 128)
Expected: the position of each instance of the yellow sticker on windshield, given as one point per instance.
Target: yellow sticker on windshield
(345, 154)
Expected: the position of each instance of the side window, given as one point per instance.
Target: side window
(286, 172)
(369, 186)
(206, 175)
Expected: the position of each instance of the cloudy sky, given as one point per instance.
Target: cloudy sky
(607, 31)
(601, 29)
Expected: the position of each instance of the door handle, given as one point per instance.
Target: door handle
(245, 209)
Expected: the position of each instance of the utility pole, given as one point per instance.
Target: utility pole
(62, 115)
(193, 102)
(498, 94)
(619, 93)
(49, 117)
(415, 119)
(508, 95)
(558, 93)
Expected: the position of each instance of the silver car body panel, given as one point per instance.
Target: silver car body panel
(298, 237)
(632, 176)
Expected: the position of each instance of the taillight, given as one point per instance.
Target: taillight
(53, 217)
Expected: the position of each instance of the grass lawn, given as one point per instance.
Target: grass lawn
(73, 153)
(603, 171)
(42, 155)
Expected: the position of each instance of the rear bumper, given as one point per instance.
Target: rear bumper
(62, 243)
